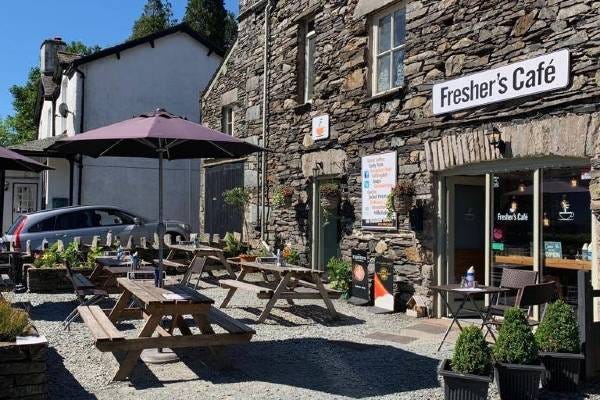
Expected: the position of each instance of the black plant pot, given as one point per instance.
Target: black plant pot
(518, 381)
(562, 371)
(459, 386)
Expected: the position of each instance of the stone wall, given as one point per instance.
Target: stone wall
(23, 371)
(50, 280)
(445, 39)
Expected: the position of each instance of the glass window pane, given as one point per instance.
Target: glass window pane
(310, 68)
(398, 64)
(383, 73)
(399, 27)
(512, 229)
(566, 225)
(384, 35)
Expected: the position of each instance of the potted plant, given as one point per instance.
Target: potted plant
(291, 256)
(239, 198)
(282, 197)
(340, 275)
(468, 375)
(400, 199)
(517, 368)
(557, 337)
(330, 196)
(23, 364)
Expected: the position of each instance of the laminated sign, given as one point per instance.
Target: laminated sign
(378, 173)
(524, 78)
(360, 275)
(384, 284)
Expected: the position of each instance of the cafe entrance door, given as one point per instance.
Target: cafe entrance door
(466, 244)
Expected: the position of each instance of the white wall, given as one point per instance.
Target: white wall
(172, 76)
(45, 127)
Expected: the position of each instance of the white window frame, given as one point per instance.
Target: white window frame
(375, 18)
(227, 120)
(308, 35)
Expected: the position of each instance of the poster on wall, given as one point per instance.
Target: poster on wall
(378, 173)
(384, 284)
(361, 293)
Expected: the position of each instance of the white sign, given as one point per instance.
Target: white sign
(537, 75)
(378, 178)
(320, 127)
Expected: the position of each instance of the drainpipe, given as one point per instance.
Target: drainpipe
(81, 125)
(263, 219)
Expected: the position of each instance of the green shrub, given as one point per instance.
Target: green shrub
(340, 274)
(51, 257)
(472, 354)
(558, 332)
(232, 246)
(13, 322)
(515, 343)
(237, 197)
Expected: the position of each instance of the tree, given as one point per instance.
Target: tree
(157, 16)
(212, 20)
(80, 48)
(21, 126)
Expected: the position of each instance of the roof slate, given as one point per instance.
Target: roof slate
(36, 147)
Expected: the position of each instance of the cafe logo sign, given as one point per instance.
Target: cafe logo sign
(524, 78)
(512, 217)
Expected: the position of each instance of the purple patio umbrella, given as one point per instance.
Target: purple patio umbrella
(156, 135)
(17, 162)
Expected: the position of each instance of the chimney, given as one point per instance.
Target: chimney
(48, 54)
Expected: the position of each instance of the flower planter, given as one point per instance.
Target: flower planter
(518, 381)
(247, 258)
(23, 370)
(403, 204)
(562, 371)
(50, 280)
(459, 386)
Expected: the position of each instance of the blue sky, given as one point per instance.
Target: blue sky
(24, 24)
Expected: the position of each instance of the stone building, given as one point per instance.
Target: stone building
(503, 178)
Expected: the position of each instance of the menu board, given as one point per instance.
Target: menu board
(378, 173)
(360, 275)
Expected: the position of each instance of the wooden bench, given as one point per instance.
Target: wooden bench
(172, 264)
(100, 326)
(81, 282)
(261, 291)
(228, 323)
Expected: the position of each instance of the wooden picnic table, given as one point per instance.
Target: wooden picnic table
(201, 251)
(154, 304)
(108, 269)
(289, 283)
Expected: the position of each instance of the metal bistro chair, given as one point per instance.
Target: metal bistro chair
(537, 295)
(516, 280)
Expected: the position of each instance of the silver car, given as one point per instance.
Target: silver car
(85, 222)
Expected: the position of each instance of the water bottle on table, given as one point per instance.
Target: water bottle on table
(470, 277)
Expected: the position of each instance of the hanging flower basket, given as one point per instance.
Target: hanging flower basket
(283, 197)
(402, 196)
(330, 196)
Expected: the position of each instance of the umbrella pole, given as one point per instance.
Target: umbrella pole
(161, 225)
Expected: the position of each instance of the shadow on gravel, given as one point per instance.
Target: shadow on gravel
(339, 368)
(313, 312)
(63, 384)
(58, 310)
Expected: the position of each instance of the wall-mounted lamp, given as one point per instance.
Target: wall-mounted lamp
(496, 141)
(546, 220)
(522, 187)
(574, 182)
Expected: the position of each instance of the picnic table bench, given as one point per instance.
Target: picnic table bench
(154, 304)
(288, 283)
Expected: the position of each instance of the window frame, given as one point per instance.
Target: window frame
(374, 51)
(228, 120)
(308, 35)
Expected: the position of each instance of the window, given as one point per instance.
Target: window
(73, 220)
(309, 59)
(227, 120)
(45, 225)
(388, 34)
(110, 217)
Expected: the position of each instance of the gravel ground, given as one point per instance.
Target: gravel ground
(297, 353)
